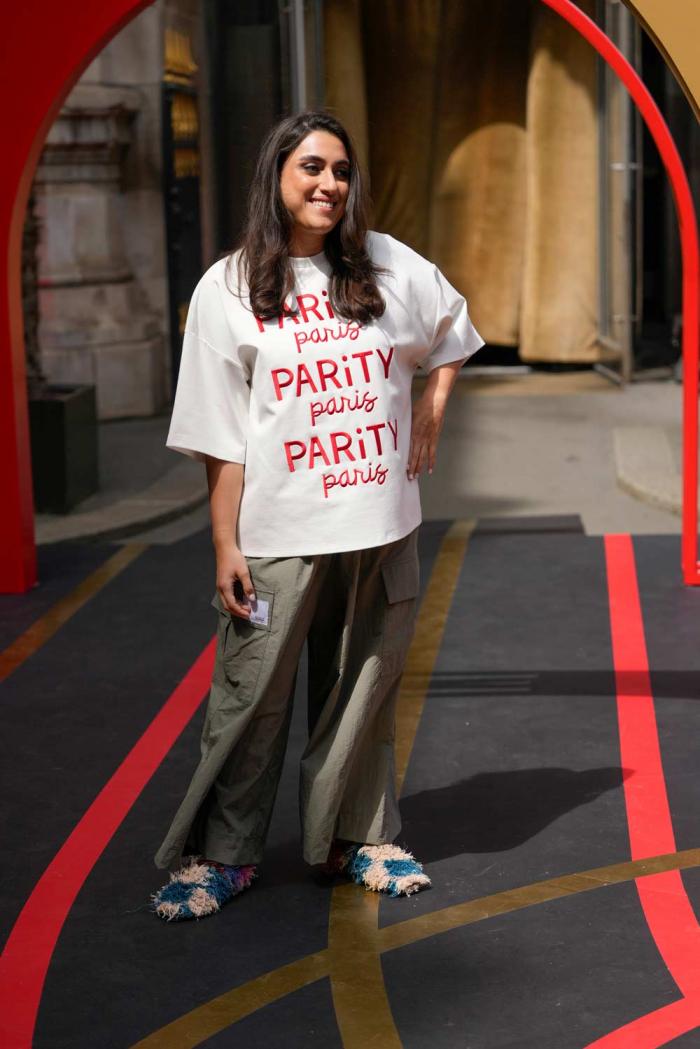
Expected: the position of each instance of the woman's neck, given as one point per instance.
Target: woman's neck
(304, 244)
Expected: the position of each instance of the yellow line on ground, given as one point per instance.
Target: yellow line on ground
(425, 646)
(216, 1015)
(207, 1020)
(40, 631)
(360, 1000)
(460, 914)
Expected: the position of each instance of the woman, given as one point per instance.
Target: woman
(295, 390)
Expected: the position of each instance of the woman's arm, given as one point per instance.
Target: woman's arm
(225, 481)
(428, 417)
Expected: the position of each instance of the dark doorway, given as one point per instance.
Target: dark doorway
(248, 71)
(658, 343)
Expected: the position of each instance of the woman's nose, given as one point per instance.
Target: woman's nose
(328, 183)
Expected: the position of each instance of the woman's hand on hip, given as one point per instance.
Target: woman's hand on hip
(232, 567)
(427, 417)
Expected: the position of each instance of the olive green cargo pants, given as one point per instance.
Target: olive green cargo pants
(357, 610)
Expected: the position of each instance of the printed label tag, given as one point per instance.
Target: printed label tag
(260, 612)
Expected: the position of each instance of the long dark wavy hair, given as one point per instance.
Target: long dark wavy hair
(264, 258)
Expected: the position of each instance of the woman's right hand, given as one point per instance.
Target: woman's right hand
(231, 565)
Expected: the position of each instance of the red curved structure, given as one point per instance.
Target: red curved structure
(58, 41)
(688, 226)
(44, 49)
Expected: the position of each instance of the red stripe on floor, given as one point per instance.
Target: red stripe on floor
(666, 906)
(31, 943)
(653, 1030)
(648, 813)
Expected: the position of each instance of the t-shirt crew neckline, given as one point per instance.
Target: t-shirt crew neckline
(308, 263)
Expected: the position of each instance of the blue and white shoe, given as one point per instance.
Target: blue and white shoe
(380, 868)
(199, 889)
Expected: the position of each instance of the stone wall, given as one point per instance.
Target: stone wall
(102, 255)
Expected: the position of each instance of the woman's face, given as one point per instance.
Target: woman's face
(314, 183)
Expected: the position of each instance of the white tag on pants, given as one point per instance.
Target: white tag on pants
(260, 612)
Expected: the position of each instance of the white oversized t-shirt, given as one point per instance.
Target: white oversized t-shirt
(317, 407)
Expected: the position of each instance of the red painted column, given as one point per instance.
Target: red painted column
(44, 47)
(690, 253)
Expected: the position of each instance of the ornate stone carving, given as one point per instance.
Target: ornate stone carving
(97, 324)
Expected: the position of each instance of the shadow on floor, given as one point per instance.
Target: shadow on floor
(497, 811)
(665, 684)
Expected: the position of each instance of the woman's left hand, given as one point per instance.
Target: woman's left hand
(426, 423)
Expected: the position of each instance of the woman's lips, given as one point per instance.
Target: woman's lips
(323, 205)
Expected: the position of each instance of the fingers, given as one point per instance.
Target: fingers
(231, 602)
(432, 449)
(413, 460)
(417, 458)
(423, 442)
(416, 455)
(247, 583)
(420, 460)
(238, 605)
(421, 455)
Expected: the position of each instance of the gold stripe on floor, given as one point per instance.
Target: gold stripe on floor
(460, 914)
(214, 1016)
(425, 646)
(40, 631)
(360, 1000)
(206, 1021)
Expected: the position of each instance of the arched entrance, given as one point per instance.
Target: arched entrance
(71, 36)
(53, 44)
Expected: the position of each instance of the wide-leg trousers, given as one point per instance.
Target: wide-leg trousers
(356, 610)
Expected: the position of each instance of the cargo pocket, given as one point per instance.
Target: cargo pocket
(401, 580)
(241, 648)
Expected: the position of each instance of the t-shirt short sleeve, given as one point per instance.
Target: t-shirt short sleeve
(454, 337)
(210, 412)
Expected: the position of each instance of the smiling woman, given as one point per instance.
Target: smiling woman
(299, 402)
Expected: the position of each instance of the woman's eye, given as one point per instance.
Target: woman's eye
(313, 169)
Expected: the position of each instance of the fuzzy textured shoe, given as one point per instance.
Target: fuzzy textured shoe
(200, 888)
(380, 868)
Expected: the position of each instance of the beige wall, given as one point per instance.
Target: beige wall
(675, 27)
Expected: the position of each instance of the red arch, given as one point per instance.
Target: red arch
(53, 43)
(45, 48)
(687, 222)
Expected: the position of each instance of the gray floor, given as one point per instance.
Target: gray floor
(132, 456)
